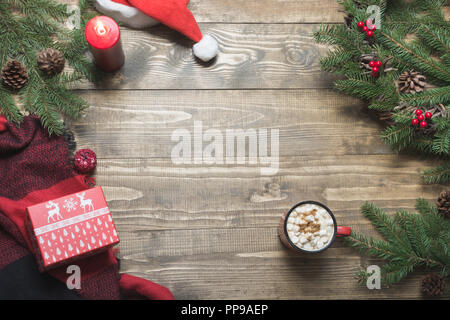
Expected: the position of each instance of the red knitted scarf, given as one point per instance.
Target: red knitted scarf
(35, 168)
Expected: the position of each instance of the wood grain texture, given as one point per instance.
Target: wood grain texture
(251, 56)
(262, 11)
(311, 122)
(197, 228)
(209, 231)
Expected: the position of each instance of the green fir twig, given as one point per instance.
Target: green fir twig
(27, 27)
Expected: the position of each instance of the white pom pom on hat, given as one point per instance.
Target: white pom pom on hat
(172, 13)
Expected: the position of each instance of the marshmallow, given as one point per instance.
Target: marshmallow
(310, 227)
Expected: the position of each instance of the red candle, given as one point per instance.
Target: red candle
(103, 35)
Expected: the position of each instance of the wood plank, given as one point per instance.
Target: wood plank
(249, 264)
(267, 11)
(251, 56)
(139, 124)
(153, 194)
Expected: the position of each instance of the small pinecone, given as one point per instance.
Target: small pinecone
(411, 82)
(51, 61)
(433, 285)
(443, 203)
(14, 75)
(364, 60)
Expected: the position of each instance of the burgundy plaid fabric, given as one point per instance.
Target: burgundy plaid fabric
(35, 168)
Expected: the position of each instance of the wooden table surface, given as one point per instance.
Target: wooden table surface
(210, 232)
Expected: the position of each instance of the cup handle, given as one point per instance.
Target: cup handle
(343, 231)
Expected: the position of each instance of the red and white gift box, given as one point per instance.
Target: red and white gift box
(71, 227)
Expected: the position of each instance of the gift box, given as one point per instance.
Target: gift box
(71, 227)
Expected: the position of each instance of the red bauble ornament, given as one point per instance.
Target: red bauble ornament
(415, 122)
(85, 160)
(428, 115)
(418, 111)
(365, 29)
(360, 24)
(378, 63)
(423, 124)
(375, 69)
(371, 64)
(369, 33)
(420, 117)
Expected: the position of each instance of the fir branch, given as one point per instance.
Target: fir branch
(440, 174)
(399, 18)
(429, 97)
(435, 37)
(412, 240)
(385, 225)
(8, 107)
(413, 58)
(27, 27)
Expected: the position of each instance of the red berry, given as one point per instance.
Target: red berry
(365, 29)
(371, 64)
(369, 33)
(374, 74)
(428, 115)
(423, 124)
(373, 27)
(418, 111)
(360, 24)
(85, 160)
(378, 63)
(368, 22)
(415, 122)
(375, 69)
(420, 117)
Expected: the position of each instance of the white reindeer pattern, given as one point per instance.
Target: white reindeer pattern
(53, 212)
(84, 203)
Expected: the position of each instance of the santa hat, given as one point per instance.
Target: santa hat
(172, 13)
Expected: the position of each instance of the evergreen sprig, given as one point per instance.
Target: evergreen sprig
(27, 27)
(427, 51)
(411, 240)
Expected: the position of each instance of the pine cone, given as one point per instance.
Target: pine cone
(14, 75)
(443, 203)
(433, 285)
(411, 82)
(51, 61)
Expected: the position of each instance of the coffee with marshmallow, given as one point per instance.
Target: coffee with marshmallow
(310, 227)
